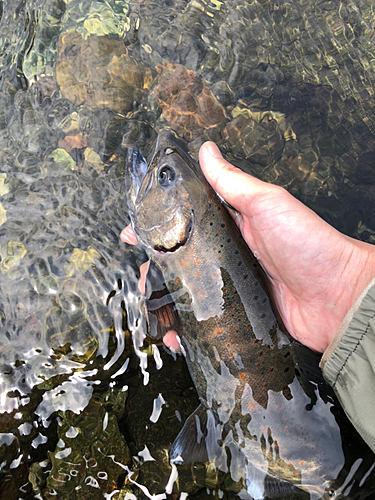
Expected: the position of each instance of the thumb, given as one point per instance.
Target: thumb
(232, 184)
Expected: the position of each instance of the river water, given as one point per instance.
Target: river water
(88, 407)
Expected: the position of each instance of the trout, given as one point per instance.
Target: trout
(264, 417)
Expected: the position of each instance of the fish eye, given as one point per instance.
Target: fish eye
(166, 176)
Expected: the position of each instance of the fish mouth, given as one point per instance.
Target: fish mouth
(179, 244)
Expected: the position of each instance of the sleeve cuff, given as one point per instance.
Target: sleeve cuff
(348, 364)
(345, 324)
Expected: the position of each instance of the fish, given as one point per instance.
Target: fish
(266, 416)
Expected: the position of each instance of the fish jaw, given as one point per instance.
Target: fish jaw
(136, 170)
(161, 214)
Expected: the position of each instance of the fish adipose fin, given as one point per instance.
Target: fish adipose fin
(161, 312)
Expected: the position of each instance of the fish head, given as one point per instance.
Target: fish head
(161, 195)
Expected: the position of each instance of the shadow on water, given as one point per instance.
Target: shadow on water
(89, 408)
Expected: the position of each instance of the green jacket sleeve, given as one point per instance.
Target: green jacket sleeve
(348, 364)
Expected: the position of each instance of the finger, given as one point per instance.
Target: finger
(128, 236)
(235, 186)
(143, 268)
(170, 339)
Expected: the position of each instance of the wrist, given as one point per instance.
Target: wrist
(363, 273)
(363, 267)
(358, 272)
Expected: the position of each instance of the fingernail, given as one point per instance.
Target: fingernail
(213, 150)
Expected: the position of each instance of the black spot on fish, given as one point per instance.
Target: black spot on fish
(286, 369)
(205, 344)
(263, 316)
(229, 240)
(222, 225)
(119, 284)
(287, 393)
(287, 354)
(245, 276)
(264, 300)
(211, 223)
(255, 297)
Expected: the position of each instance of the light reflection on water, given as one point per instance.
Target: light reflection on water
(78, 79)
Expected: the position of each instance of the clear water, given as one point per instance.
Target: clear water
(285, 88)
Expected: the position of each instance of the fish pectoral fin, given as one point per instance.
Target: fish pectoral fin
(161, 312)
(261, 485)
(278, 488)
(198, 439)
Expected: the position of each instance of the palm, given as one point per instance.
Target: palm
(303, 257)
(310, 263)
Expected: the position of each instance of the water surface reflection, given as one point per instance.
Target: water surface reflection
(285, 89)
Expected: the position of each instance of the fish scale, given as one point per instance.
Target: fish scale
(266, 416)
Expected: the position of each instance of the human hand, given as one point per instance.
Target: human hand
(316, 272)
(170, 339)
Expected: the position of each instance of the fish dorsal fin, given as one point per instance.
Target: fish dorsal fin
(161, 312)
